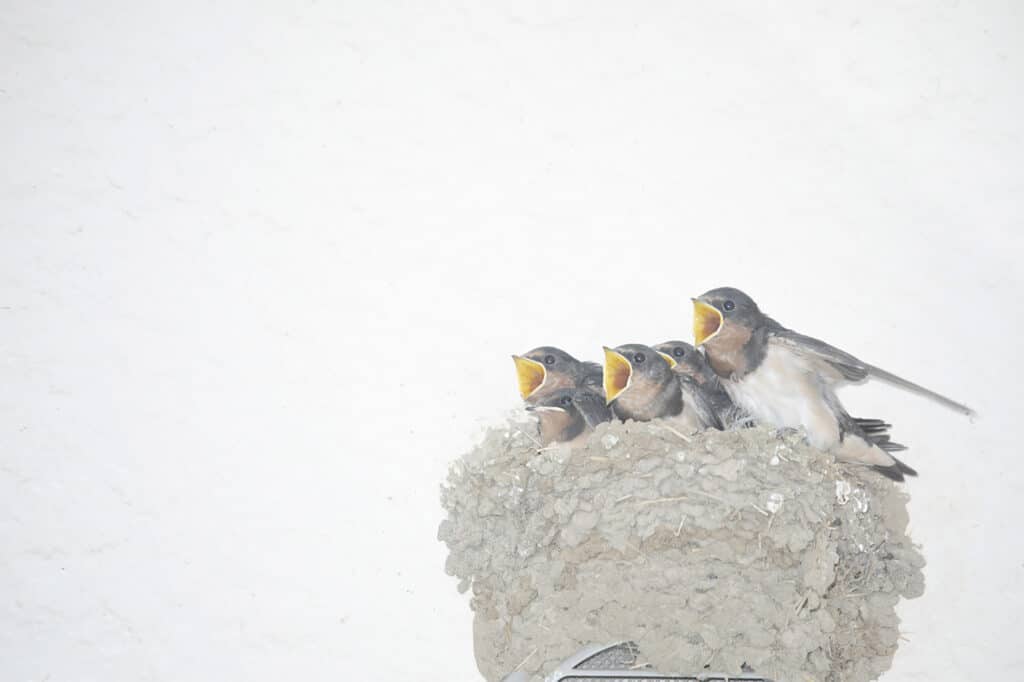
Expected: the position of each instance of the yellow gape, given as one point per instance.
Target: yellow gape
(617, 373)
(707, 321)
(531, 375)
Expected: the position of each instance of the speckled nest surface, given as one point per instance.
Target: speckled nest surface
(728, 551)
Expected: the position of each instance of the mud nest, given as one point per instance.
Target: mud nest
(738, 551)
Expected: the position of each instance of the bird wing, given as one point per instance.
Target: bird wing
(837, 365)
(695, 398)
(592, 378)
(592, 407)
(719, 400)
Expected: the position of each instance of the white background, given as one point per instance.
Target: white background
(263, 265)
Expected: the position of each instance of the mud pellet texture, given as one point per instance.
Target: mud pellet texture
(732, 551)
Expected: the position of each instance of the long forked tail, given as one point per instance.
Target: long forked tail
(880, 373)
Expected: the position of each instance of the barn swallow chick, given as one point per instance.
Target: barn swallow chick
(700, 385)
(639, 384)
(787, 379)
(544, 370)
(567, 414)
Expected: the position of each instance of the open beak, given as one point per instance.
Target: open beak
(530, 374)
(668, 358)
(707, 321)
(617, 373)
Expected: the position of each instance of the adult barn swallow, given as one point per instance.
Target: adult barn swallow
(640, 385)
(700, 385)
(546, 369)
(787, 379)
(567, 413)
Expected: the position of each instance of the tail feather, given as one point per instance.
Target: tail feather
(897, 471)
(876, 432)
(893, 473)
(909, 471)
(888, 444)
(872, 425)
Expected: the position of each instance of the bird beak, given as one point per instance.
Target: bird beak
(707, 321)
(617, 373)
(545, 408)
(668, 358)
(530, 374)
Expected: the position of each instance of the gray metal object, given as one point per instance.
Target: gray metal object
(619, 662)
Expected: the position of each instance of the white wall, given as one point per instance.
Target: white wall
(262, 268)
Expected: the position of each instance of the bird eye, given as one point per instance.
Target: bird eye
(678, 352)
(566, 400)
(639, 357)
(728, 305)
(549, 359)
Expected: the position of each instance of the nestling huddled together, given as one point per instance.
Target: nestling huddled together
(743, 368)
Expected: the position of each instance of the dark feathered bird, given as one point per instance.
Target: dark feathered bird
(544, 370)
(639, 384)
(787, 379)
(567, 414)
(700, 385)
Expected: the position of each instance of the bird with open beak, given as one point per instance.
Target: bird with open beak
(786, 379)
(567, 415)
(700, 385)
(639, 384)
(544, 370)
